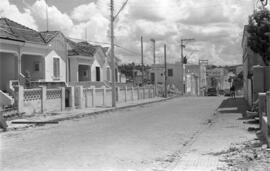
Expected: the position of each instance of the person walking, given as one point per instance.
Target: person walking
(232, 91)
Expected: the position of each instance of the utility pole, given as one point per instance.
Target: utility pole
(154, 62)
(182, 60)
(112, 48)
(165, 73)
(142, 58)
(47, 17)
(112, 56)
(154, 50)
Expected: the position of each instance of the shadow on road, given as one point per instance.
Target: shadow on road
(231, 105)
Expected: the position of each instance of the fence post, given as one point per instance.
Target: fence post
(104, 95)
(132, 93)
(125, 93)
(261, 106)
(72, 97)
(43, 98)
(143, 92)
(138, 91)
(20, 99)
(118, 93)
(152, 92)
(63, 98)
(93, 96)
(81, 103)
(149, 92)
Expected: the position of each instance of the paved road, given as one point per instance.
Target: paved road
(149, 137)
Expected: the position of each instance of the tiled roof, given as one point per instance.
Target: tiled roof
(15, 31)
(49, 35)
(81, 48)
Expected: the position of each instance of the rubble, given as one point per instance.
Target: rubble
(251, 155)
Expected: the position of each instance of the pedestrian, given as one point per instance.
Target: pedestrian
(3, 123)
(232, 91)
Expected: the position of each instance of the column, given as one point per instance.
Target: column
(63, 98)
(43, 98)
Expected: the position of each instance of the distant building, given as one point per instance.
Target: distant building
(174, 73)
(195, 79)
(215, 78)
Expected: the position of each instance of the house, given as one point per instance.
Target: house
(27, 55)
(250, 59)
(31, 58)
(87, 63)
(25, 51)
(174, 73)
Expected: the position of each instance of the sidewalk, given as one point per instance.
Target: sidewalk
(226, 128)
(78, 113)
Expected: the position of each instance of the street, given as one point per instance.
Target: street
(143, 138)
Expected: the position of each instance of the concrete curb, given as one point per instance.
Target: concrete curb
(81, 115)
(86, 114)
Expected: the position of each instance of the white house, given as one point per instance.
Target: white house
(28, 54)
(174, 73)
(87, 63)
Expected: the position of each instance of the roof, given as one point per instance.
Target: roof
(49, 35)
(15, 31)
(81, 48)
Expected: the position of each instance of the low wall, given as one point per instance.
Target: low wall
(40, 100)
(264, 114)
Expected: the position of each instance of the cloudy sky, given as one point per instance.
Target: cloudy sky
(217, 25)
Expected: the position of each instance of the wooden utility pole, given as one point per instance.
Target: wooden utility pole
(154, 50)
(112, 49)
(165, 72)
(112, 56)
(47, 16)
(142, 58)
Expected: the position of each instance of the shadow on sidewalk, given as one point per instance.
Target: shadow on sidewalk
(231, 105)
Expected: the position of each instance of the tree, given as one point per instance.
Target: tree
(259, 29)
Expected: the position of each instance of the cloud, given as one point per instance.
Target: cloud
(57, 19)
(216, 25)
(12, 12)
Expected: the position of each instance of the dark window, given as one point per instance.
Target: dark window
(36, 66)
(170, 72)
(97, 74)
(56, 67)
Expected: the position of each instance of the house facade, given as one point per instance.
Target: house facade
(31, 58)
(28, 54)
(250, 59)
(174, 73)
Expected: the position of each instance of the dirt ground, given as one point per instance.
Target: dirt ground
(251, 155)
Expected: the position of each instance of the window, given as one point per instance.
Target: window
(36, 66)
(170, 72)
(97, 74)
(56, 67)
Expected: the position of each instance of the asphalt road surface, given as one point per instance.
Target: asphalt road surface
(149, 137)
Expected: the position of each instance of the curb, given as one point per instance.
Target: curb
(86, 114)
(107, 110)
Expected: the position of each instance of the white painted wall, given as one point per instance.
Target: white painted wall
(93, 70)
(75, 61)
(49, 76)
